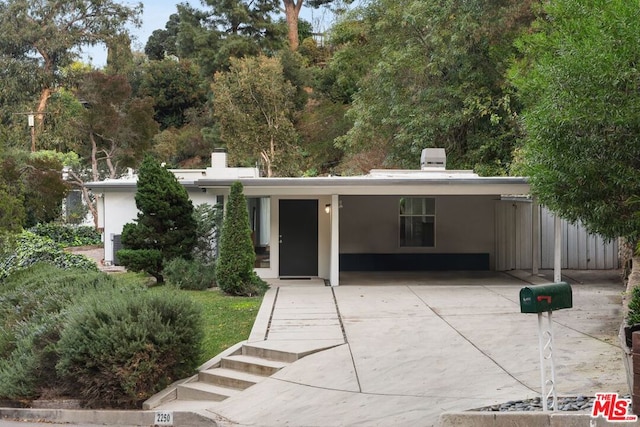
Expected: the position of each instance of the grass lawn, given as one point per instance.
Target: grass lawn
(226, 320)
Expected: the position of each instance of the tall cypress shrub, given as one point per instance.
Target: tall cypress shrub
(234, 269)
(165, 227)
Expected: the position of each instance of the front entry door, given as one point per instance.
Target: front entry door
(298, 238)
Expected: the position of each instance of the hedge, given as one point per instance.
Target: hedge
(101, 338)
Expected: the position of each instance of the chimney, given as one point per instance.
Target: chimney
(219, 158)
(433, 158)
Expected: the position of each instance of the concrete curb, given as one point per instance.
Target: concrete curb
(261, 324)
(100, 417)
(528, 419)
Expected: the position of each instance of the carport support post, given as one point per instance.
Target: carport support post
(334, 273)
(535, 236)
(557, 249)
(547, 363)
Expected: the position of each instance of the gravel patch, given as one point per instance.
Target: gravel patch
(572, 403)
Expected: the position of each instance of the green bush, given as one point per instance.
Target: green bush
(633, 316)
(67, 235)
(165, 221)
(30, 249)
(33, 305)
(192, 275)
(208, 220)
(122, 350)
(92, 336)
(234, 268)
(147, 260)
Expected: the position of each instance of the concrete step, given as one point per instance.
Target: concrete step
(229, 378)
(270, 354)
(252, 365)
(204, 391)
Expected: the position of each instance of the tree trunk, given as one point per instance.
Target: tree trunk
(91, 205)
(292, 12)
(94, 157)
(39, 116)
(267, 163)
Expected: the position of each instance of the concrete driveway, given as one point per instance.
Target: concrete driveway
(416, 345)
(399, 349)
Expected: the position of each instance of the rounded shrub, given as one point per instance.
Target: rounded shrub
(120, 349)
(147, 260)
(33, 305)
(192, 274)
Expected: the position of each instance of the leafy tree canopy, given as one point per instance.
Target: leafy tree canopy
(41, 37)
(437, 79)
(579, 83)
(227, 29)
(253, 103)
(175, 87)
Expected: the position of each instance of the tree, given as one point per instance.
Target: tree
(44, 190)
(163, 43)
(165, 227)
(234, 269)
(116, 130)
(253, 103)
(12, 214)
(230, 29)
(579, 83)
(32, 188)
(175, 87)
(120, 58)
(44, 36)
(208, 220)
(437, 78)
(292, 10)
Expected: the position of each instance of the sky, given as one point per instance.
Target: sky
(154, 17)
(156, 14)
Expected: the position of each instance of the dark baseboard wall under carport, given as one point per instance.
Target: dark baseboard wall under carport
(415, 262)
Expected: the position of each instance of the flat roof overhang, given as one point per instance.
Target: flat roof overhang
(128, 186)
(349, 186)
(375, 186)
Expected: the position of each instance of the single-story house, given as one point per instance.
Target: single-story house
(387, 220)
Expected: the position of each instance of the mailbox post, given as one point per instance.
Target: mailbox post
(542, 299)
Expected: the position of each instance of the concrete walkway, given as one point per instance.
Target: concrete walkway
(425, 345)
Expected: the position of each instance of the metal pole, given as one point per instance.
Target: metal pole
(548, 386)
(557, 251)
(543, 381)
(553, 365)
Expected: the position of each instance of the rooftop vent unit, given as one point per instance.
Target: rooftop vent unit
(433, 158)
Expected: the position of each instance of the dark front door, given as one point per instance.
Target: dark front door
(298, 238)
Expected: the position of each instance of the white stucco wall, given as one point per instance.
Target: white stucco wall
(119, 208)
(464, 224)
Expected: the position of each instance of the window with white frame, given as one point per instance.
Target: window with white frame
(417, 221)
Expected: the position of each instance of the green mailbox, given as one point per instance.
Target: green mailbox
(543, 298)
